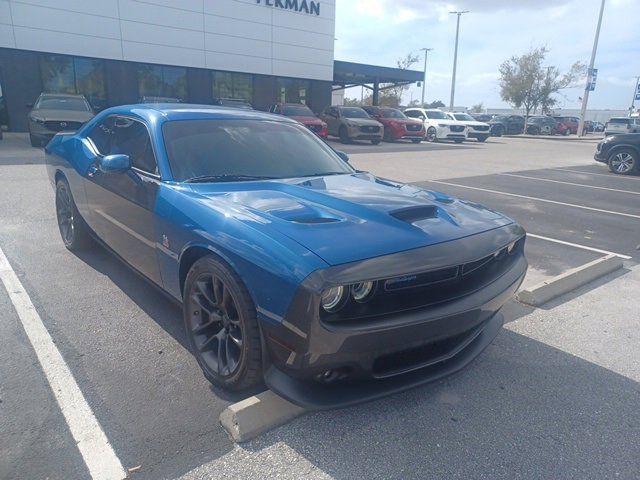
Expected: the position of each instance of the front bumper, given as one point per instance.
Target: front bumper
(444, 133)
(356, 134)
(397, 351)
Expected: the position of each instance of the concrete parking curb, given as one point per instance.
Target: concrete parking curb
(543, 292)
(255, 415)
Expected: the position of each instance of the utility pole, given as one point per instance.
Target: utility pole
(585, 97)
(455, 58)
(635, 92)
(424, 80)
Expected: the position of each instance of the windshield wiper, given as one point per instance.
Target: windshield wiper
(324, 174)
(226, 177)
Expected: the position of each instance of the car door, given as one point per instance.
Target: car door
(332, 121)
(122, 204)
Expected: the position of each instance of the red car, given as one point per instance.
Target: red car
(302, 114)
(569, 125)
(397, 125)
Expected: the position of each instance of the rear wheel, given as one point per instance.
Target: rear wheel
(416, 140)
(498, 131)
(623, 161)
(221, 325)
(343, 134)
(73, 229)
(376, 141)
(567, 131)
(432, 135)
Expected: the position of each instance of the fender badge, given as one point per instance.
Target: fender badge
(165, 241)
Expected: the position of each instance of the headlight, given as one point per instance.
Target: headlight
(443, 125)
(333, 298)
(361, 292)
(36, 119)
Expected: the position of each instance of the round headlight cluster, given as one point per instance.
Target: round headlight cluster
(334, 298)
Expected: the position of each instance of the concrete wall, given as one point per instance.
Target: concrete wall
(252, 36)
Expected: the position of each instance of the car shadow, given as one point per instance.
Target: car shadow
(523, 409)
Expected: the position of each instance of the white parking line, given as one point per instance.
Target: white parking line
(609, 175)
(568, 183)
(93, 444)
(537, 199)
(577, 245)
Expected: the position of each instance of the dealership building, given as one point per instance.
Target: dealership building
(198, 51)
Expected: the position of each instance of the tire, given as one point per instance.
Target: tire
(343, 134)
(567, 132)
(416, 140)
(458, 140)
(534, 131)
(376, 141)
(73, 229)
(482, 138)
(499, 131)
(35, 141)
(432, 135)
(221, 325)
(624, 161)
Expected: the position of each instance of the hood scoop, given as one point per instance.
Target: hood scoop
(415, 213)
(312, 220)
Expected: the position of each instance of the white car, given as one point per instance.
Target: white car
(478, 130)
(438, 125)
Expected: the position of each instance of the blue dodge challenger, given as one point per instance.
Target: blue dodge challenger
(330, 285)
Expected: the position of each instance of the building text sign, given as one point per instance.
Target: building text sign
(311, 7)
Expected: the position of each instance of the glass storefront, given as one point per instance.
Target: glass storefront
(293, 90)
(63, 74)
(237, 86)
(159, 83)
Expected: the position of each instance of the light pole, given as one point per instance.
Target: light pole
(585, 97)
(635, 92)
(424, 80)
(455, 59)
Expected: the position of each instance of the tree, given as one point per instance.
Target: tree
(478, 108)
(435, 104)
(391, 96)
(351, 102)
(526, 84)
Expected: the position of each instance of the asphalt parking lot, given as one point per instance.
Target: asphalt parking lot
(555, 396)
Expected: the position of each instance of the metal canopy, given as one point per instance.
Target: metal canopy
(349, 74)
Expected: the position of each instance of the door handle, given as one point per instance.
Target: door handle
(92, 171)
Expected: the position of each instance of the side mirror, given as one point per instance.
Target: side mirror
(422, 117)
(343, 156)
(118, 163)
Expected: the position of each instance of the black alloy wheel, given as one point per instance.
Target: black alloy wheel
(432, 135)
(498, 131)
(343, 134)
(220, 321)
(73, 230)
(623, 161)
(376, 141)
(416, 140)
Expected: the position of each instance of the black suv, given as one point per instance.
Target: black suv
(620, 152)
(506, 125)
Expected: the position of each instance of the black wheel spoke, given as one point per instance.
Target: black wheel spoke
(235, 335)
(211, 320)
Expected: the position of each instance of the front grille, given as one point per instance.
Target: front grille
(370, 129)
(481, 128)
(421, 290)
(456, 128)
(413, 127)
(57, 126)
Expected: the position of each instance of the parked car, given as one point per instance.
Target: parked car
(476, 129)
(620, 152)
(330, 285)
(396, 124)
(506, 125)
(570, 123)
(482, 117)
(438, 125)
(352, 123)
(617, 125)
(56, 112)
(302, 114)
(598, 127)
(233, 103)
(543, 125)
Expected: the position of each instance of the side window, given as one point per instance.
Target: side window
(412, 113)
(333, 112)
(132, 138)
(102, 134)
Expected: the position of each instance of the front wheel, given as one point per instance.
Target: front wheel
(498, 131)
(35, 141)
(416, 140)
(432, 135)
(623, 161)
(221, 325)
(343, 134)
(376, 141)
(73, 229)
(567, 132)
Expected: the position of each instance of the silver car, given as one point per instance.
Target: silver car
(618, 125)
(352, 123)
(57, 112)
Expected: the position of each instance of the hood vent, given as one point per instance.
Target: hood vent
(312, 220)
(415, 214)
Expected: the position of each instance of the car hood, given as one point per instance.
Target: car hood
(446, 122)
(345, 218)
(62, 115)
(472, 123)
(307, 120)
(362, 121)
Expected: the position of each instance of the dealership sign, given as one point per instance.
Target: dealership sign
(310, 7)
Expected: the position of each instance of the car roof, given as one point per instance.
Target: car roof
(162, 112)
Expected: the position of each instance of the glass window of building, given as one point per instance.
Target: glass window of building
(293, 90)
(157, 83)
(84, 76)
(237, 86)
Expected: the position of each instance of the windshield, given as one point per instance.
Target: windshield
(256, 148)
(463, 117)
(353, 113)
(437, 115)
(62, 103)
(619, 120)
(297, 111)
(392, 113)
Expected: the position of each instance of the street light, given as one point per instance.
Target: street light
(455, 58)
(636, 91)
(424, 80)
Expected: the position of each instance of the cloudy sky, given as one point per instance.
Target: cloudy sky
(381, 31)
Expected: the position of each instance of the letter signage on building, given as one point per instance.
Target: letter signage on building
(302, 6)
